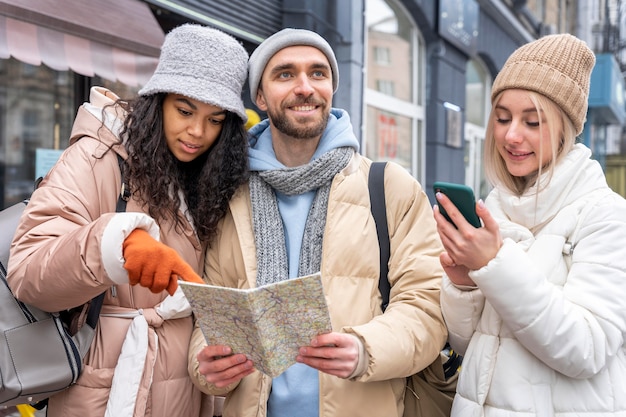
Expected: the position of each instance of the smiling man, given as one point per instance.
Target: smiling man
(307, 209)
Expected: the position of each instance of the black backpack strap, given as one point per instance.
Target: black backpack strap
(95, 304)
(376, 186)
(93, 313)
(124, 191)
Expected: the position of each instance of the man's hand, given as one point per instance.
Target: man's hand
(333, 353)
(154, 265)
(221, 368)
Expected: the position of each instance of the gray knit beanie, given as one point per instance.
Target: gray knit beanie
(204, 64)
(280, 40)
(556, 66)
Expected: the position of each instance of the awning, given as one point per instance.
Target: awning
(115, 39)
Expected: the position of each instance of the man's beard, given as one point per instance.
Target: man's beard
(293, 129)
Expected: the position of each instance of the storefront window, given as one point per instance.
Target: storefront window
(477, 107)
(387, 128)
(393, 96)
(476, 93)
(36, 113)
(37, 109)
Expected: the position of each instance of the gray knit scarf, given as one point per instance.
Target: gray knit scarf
(271, 251)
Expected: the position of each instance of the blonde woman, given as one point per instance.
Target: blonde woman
(535, 299)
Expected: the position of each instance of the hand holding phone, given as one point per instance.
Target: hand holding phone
(462, 197)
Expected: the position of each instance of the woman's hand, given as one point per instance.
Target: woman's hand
(458, 274)
(154, 265)
(467, 248)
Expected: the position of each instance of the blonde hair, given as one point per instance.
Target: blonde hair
(562, 135)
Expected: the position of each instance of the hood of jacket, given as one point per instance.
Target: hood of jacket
(101, 117)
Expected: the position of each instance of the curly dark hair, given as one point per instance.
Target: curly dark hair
(157, 177)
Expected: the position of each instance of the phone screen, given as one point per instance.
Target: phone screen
(462, 197)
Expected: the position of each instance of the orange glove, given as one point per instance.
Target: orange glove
(154, 265)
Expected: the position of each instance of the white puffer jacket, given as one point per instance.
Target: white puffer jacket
(544, 335)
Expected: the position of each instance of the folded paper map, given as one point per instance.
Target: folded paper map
(268, 324)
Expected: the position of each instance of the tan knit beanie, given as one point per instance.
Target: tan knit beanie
(556, 66)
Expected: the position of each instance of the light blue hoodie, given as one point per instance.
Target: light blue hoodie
(296, 391)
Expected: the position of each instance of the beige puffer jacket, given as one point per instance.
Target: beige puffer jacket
(400, 342)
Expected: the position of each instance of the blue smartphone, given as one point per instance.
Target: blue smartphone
(462, 197)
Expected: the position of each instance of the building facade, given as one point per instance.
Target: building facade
(415, 75)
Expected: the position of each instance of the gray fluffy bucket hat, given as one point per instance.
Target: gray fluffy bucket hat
(283, 39)
(204, 64)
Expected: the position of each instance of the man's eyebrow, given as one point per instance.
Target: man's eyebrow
(321, 65)
(281, 67)
(288, 66)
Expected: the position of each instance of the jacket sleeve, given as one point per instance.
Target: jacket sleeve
(576, 329)
(411, 332)
(461, 311)
(68, 246)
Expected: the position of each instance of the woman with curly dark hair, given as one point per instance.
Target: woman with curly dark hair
(206, 182)
(180, 150)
